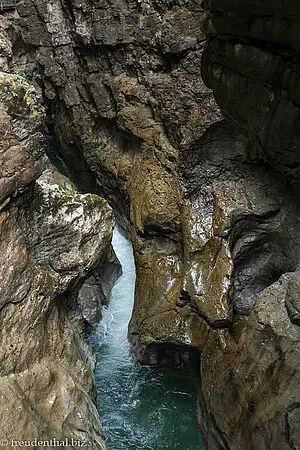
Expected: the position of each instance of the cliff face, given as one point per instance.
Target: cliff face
(215, 229)
(47, 245)
(246, 233)
(125, 98)
(251, 61)
(252, 64)
(52, 237)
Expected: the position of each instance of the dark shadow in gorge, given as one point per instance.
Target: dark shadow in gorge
(186, 359)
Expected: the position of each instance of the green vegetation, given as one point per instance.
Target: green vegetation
(19, 95)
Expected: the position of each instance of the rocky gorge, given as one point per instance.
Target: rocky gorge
(211, 205)
(52, 239)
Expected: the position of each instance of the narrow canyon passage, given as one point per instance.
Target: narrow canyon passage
(141, 408)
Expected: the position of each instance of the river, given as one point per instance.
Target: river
(141, 408)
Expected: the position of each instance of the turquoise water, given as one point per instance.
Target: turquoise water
(141, 408)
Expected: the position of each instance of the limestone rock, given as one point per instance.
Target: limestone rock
(51, 238)
(255, 370)
(292, 299)
(252, 64)
(96, 290)
(21, 141)
(242, 225)
(125, 97)
(5, 45)
(251, 61)
(214, 228)
(47, 246)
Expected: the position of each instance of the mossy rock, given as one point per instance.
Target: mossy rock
(20, 97)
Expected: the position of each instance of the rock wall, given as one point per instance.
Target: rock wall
(96, 290)
(253, 54)
(215, 229)
(125, 98)
(246, 234)
(251, 61)
(52, 237)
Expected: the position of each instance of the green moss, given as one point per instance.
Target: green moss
(71, 200)
(19, 95)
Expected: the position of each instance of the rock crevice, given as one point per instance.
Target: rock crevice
(213, 216)
(51, 239)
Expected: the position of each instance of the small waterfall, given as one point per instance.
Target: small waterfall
(141, 408)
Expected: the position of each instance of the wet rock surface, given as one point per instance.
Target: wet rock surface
(246, 214)
(52, 238)
(252, 64)
(20, 134)
(248, 364)
(96, 290)
(47, 246)
(125, 97)
(251, 61)
(258, 363)
(215, 227)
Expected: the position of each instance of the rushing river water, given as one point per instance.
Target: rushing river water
(141, 408)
